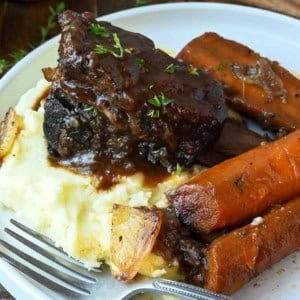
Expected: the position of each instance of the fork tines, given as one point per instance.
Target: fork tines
(66, 279)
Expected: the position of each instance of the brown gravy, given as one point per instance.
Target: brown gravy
(107, 174)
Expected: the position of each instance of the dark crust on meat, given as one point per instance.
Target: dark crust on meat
(97, 109)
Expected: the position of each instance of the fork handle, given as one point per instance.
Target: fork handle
(174, 288)
(185, 291)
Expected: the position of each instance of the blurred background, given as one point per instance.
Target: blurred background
(25, 24)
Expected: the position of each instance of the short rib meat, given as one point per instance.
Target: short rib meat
(116, 100)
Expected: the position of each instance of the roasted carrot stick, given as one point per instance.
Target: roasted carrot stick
(253, 85)
(236, 257)
(238, 189)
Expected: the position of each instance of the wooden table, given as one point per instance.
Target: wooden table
(21, 22)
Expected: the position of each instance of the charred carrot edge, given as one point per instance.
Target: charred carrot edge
(236, 257)
(217, 55)
(231, 193)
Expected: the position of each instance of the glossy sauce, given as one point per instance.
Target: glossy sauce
(107, 174)
(39, 100)
(99, 113)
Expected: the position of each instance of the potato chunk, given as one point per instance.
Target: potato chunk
(133, 234)
(9, 128)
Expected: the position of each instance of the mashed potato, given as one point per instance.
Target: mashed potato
(65, 206)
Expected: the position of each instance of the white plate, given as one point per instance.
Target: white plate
(171, 26)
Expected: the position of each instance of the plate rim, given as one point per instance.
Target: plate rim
(147, 9)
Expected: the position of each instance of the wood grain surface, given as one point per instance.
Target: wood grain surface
(20, 23)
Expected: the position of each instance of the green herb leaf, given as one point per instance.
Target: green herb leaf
(18, 55)
(60, 7)
(128, 50)
(99, 30)
(101, 50)
(118, 46)
(160, 100)
(140, 62)
(32, 45)
(153, 113)
(165, 100)
(193, 70)
(54, 12)
(4, 65)
(179, 169)
(170, 68)
(155, 101)
(141, 2)
(44, 31)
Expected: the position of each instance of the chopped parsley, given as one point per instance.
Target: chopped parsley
(170, 69)
(99, 30)
(118, 53)
(193, 70)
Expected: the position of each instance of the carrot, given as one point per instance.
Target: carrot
(272, 97)
(238, 189)
(236, 257)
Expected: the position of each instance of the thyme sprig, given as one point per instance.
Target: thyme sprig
(170, 69)
(14, 57)
(193, 70)
(4, 65)
(141, 2)
(99, 30)
(118, 50)
(18, 55)
(158, 101)
(54, 12)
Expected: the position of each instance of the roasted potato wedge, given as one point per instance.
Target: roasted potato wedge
(133, 234)
(9, 128)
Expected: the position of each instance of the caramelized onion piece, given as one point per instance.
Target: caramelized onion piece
(48, 73)
(9, 128)
(133, 234)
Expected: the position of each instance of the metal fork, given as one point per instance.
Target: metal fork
(66, 276)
